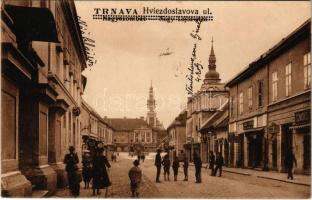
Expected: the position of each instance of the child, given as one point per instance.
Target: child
(175, 167)
(135, 175)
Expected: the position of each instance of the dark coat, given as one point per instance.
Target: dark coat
(219, 161)
(158, 160)
(175, 165)
(166, 163)
(185, 164)
(86, 170)
(211, 161)
(289, 160)
(197, 162)
(99, 172)
(71, 160)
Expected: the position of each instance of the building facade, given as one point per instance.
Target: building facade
(41, 87)
(270, 106)
(177, 136)
(202, 105)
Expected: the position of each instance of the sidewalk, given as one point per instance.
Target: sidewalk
(299, 179)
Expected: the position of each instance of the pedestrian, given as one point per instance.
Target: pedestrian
(289, 161)
(158, 165)
(185, 168)
(198, 166)
(143, 157)
(175, 167)
(71, 160)
(86, 169)
(211, 163)
(166, 163)
(135, 175)
(219, 164)
(100, 175)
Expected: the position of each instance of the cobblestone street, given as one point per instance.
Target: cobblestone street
(228, 186)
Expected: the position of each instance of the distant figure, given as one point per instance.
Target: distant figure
(175, 167)
(113, 156)
(185, 168)
(289, 161)
(198, 166)
(158, 165)
(71, 160)
(100, 176)
(211, 162)
(143, 157)
(135, 175)
(166, 163)
(219, 164)
(87, 169)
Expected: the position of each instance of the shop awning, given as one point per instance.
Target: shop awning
(33, 24)
(300, 126)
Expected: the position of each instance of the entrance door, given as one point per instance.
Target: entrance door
(286, 142)
(274, 153)
(307, 153)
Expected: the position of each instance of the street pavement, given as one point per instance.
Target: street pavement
(230, 185)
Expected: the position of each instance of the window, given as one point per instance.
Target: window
(288, 79)
(136, 137)
(250, 97)
(274, 86)
(232, 106)
(307, 70)
(241, 103)
(143, 137)
(148, 137)
(260, 93)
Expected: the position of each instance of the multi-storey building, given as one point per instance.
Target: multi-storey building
(43, 55)
(177, 135)
(270, 106)
(204, 103)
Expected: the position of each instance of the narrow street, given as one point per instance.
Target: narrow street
(228, 186)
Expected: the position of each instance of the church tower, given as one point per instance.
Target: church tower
(212, 76)
(151, 106)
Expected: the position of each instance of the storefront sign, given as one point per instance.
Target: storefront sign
(302, 117)
(248, 125)
(274, 128)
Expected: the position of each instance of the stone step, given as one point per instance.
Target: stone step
(39, 193)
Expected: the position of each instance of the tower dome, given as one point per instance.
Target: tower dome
(212, 76)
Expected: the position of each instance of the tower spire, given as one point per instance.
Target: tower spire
(212, 75)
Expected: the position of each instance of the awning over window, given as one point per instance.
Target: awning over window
(33, 24)
(300, 126)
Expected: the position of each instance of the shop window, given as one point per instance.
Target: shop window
(307, 70)
(288, 79)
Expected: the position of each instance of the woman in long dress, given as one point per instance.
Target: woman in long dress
(100, 176)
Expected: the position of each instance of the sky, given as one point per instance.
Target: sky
(128, 60)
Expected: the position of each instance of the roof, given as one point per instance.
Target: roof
(299, 33)
(126, 124)
(180, 120)
(217, 119)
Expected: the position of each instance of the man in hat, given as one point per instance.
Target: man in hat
(71, 160)
(135, 175)
(158, 165)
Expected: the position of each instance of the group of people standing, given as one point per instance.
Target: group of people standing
(215, 164)
(95, 168)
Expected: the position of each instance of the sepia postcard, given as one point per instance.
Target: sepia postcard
(156, 99)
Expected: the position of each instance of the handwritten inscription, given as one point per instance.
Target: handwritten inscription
(195, 68)
(88, 42)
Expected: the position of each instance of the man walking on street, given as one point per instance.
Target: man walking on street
(211, 162)
(185, 168)
(198, 166)
(219, 163)
(135, 175)
(289, 163)
(71, 160)
(175, 167)
(158, 165)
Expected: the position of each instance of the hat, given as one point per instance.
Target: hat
(136, 163)
(71, 148)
